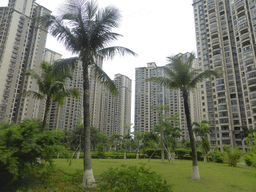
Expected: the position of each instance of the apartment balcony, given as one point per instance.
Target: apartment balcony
(239, 4)
(244, 37)
(215, 41)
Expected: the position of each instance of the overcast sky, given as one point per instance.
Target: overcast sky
(152, 29)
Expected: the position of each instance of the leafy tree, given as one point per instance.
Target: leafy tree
(159, 128)
(172, 132)
(181, 75)
(201, 130)
(87, 31)
(244, 133)
(51, 87)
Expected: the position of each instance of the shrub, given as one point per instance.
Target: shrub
(232, 157)
(217, 156)
(132, 179)
(22, 144)
(181, 152)
(250, 158)
(100, 151)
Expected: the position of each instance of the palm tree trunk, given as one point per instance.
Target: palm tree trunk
(88, 177)
(47, 108)
(79, 151)
(195, 173)
(162, 144)
(125, 148)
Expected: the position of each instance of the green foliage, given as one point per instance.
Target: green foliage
(181, 152)
(24, 143)
(217, 156)
(232, 157)
(132, 178)
(250, 159)
(100, 151)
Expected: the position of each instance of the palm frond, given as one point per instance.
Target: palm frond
(110, 52)
(35, 95)
(65, 65)
(164, 82)
(208, 73)
(105, 79)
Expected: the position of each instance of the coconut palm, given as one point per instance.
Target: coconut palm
(202, 130)
(51, 87)
(181, 75)
(87, 31)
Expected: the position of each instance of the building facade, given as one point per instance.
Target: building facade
(225, 36)
(148, 94)
(22, 43)
(116, 110)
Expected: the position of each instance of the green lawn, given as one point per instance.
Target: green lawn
(214, 177)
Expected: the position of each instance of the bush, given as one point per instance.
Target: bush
(132, 179)
(100, 151)
(232, 157)
(250, 158)
(217, 156)
(181, 152)
(22, 144)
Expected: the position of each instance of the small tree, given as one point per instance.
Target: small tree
(201, 130)
(51, 87)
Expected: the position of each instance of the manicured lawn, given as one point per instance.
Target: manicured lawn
(214, 177)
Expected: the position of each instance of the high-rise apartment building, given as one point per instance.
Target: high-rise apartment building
(148, 94)
(22, 43)
(116, 110)
(108, 113)
(225, 36)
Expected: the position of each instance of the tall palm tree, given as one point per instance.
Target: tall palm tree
(181, 75)
(202, 129)
(86, 30)
(51, 87)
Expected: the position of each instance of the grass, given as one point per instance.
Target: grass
(214, 177)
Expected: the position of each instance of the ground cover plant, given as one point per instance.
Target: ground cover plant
(214, 176)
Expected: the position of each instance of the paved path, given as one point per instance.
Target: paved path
(240, 163)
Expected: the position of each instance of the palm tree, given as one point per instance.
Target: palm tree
(181, 75)
(87, 31)
(202, 129)
(137, 138)
(127, 137)
(51, 87)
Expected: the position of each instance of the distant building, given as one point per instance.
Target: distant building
(148, 94)
(22, 43)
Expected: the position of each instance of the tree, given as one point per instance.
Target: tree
(201, 130)
(244, 133)
(137, 138)
(51, 87)
(181, 75)
(127, 138)
(117, 138)
(86, 30)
